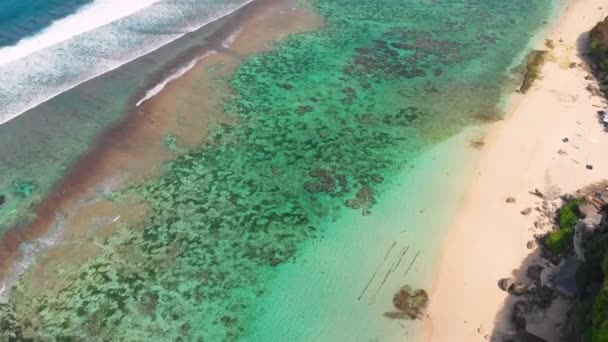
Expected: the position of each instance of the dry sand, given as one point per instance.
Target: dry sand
(488, 238)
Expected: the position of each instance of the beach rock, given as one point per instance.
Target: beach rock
(526, 211)
(538, 193)
(530, 244)
(505, 284)
(510, 200)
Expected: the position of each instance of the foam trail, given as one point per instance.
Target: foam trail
(172, 77)
(33, 79)
(94, 15)
(230, 40)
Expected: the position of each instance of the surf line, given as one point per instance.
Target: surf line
(172, 77)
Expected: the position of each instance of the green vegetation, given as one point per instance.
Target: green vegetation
(560, 240)
(599, 44)
(593, 311)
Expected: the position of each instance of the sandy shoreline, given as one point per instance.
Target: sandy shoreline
(487, 240)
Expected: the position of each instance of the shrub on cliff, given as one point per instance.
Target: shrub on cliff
(598, 40)
(560, 240)
(598, 331)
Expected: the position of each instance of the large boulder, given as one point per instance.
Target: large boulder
(506, 284)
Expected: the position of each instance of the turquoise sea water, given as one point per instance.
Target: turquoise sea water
(345, 162)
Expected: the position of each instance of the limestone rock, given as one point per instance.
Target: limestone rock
(505, 284)
(510, 200)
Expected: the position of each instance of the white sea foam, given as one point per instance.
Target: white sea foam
(39, 75)
(230, 40)
(172, 77)
(29, 252)
(94, 15)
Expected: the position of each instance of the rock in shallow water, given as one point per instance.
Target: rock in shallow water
(410, 303)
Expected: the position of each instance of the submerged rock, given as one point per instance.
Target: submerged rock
(364, 200)
(410, 303)
(2, 199)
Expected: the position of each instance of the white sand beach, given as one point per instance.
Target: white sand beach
(488, 238)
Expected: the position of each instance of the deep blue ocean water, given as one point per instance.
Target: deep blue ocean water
(23, 18)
